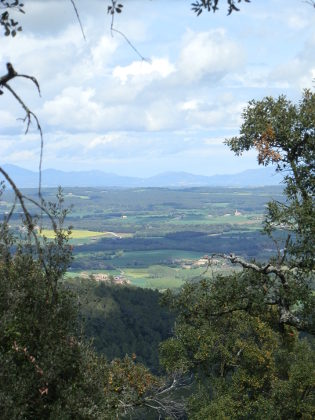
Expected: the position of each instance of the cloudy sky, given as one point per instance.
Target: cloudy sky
(104, 108)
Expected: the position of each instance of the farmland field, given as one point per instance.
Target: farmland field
(75, 234)
(154, 236)
(80, 236)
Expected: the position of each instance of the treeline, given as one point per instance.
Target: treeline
(251, 244)
(117, 200)
(99, 261)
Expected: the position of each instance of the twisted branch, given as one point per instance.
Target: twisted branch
(162, 402)
(286, 316)
(265, 269)
(29, 115)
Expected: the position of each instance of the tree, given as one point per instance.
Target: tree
(248, 337)
(283, 134)
(47, 370)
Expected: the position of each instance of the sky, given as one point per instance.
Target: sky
(102, 107)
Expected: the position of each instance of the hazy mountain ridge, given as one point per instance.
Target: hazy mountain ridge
(25, 178)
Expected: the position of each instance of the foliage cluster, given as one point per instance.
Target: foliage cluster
(283, 134)
(212, 5)
(246, 367)
(242, 335)
(47, 370)
(10, 25)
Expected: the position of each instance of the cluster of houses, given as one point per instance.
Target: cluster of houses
(202, 262)
(236, 213)
(119, 279)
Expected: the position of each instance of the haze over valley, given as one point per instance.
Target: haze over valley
(53, 178)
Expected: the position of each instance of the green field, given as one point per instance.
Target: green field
(161, 277)
(149, 233)
(154, 257)
(154, 277)
(158, 277)
(75, 274)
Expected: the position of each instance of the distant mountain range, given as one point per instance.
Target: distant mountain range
(53, 178)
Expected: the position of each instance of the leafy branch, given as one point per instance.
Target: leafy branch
(10, 26)
(212, 5)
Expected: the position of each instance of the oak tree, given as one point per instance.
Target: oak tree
(249, 337)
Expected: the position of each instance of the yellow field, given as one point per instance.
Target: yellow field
(75, 234)
(85, 234)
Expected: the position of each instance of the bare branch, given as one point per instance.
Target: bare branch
(285, 249)
(9, 215)
(266, 269)
(277, 247)
(28, 112)
(29, 115)
(286, 316)
(78, 17)
(43, 209)
(310, 2)
(33, 79)
(20, 198)
(162, 399)
(131, 45)
(112, 10)
(10, 75)
(28, 218)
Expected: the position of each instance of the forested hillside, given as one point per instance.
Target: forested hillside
(123, 320)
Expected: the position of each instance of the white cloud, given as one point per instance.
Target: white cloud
(163, 115)
(297, 22)
(298, 71)
(190, 105)
(208, 55)
(211, 141)
(101, 53)
(223, 111)
(7, 119)
(74, 107)
(101, 105)
(103, 140)
(22, 155)
(143, 71)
